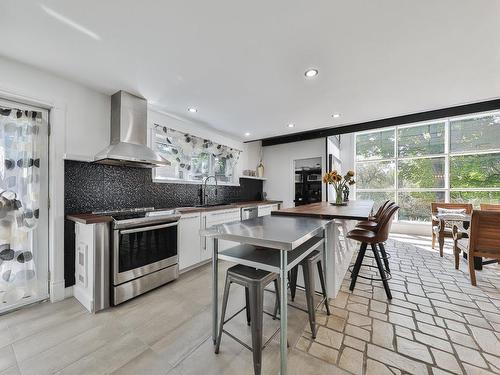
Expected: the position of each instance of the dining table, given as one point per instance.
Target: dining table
(280, 241)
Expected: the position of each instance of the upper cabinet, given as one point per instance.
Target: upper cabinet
(193, 158)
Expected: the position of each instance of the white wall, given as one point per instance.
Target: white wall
(79, 118)
(279, 167)
(80, 124)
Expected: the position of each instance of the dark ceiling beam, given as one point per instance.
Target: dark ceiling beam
(436, 114)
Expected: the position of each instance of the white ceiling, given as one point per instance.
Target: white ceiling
(242, 63)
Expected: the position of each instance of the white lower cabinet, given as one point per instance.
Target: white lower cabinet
(194, 249)
(214, 218)
(189, 244)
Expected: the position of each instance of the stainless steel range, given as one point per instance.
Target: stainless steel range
(143, 251)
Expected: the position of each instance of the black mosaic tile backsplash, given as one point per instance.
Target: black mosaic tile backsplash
(94, 187)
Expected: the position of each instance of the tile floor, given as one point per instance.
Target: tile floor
(436, 323)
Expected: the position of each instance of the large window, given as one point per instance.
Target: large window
(450, 160)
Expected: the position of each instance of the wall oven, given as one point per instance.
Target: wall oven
(144, 253)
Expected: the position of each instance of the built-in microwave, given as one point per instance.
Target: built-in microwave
(314, 177)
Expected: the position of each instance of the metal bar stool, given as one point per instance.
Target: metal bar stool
(308, 263)
(254, 281)
(373, 237)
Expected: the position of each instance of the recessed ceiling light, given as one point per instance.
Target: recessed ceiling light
(311, 73)
(336, 115)
(291, 125)
(192, 110)
(247, 134)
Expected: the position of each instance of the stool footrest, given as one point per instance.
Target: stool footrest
(387, 277)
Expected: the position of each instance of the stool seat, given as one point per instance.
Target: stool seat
(368, 224)
(315, 256)
(250, 274)
(362, 235)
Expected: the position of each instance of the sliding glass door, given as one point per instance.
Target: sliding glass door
(23, 205)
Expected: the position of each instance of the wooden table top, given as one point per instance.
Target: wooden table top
(354, 210)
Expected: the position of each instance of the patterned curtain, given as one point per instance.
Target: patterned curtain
(185, 146)
(19, 201)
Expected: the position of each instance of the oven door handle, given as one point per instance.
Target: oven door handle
(146, 229)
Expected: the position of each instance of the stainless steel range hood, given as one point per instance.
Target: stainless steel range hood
(129, 134)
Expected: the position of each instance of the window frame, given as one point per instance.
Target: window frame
(447, 154)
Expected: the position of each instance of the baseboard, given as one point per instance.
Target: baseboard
(68, 292)
(57, 291)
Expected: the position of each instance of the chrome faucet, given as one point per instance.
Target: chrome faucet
(204, 193)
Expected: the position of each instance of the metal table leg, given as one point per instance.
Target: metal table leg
(283, 311)
(215, 289)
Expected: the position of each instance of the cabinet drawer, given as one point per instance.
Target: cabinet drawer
(264, 210)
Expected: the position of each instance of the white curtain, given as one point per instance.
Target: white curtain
(19, 202)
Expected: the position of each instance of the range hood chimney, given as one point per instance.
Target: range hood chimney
(129, 134)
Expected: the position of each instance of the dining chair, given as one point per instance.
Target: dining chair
(440, 231)
(490, 207)
(483, 240)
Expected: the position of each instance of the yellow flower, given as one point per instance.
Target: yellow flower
(350, 173)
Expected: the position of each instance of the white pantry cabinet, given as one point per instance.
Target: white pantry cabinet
(189, 244)
(213, 218)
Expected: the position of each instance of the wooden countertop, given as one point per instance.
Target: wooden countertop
(88, 218)
(355, 210)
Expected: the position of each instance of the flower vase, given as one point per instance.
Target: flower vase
(338, 197)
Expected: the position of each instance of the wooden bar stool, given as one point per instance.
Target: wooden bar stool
(254, 281)
(373, 237)
(371, 224)
(308, 264)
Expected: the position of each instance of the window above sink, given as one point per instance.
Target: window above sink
(193, 158)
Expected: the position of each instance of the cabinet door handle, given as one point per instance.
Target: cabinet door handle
(205, 238)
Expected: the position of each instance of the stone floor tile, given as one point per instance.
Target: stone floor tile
(438, 371)
(431, 329)
(357, 307)
(418, 300)
(456, 326)
(357, 332)
(358, 319)
(425, 318)
(352, 360)
(414, 350)
(359, 299)
(303, 344)
(377, 368)
(494, 361)
(471, 370)
(329, 337)
(325, 353)
(394, 359)
(446, 361)
(401, 320)
(470, 356)
(486, 339)
(354, 343)
(462, 339)
(434, 342)
(383, 334)
(380, 307)
(379, 316)
(335, 322)
(404, 332)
